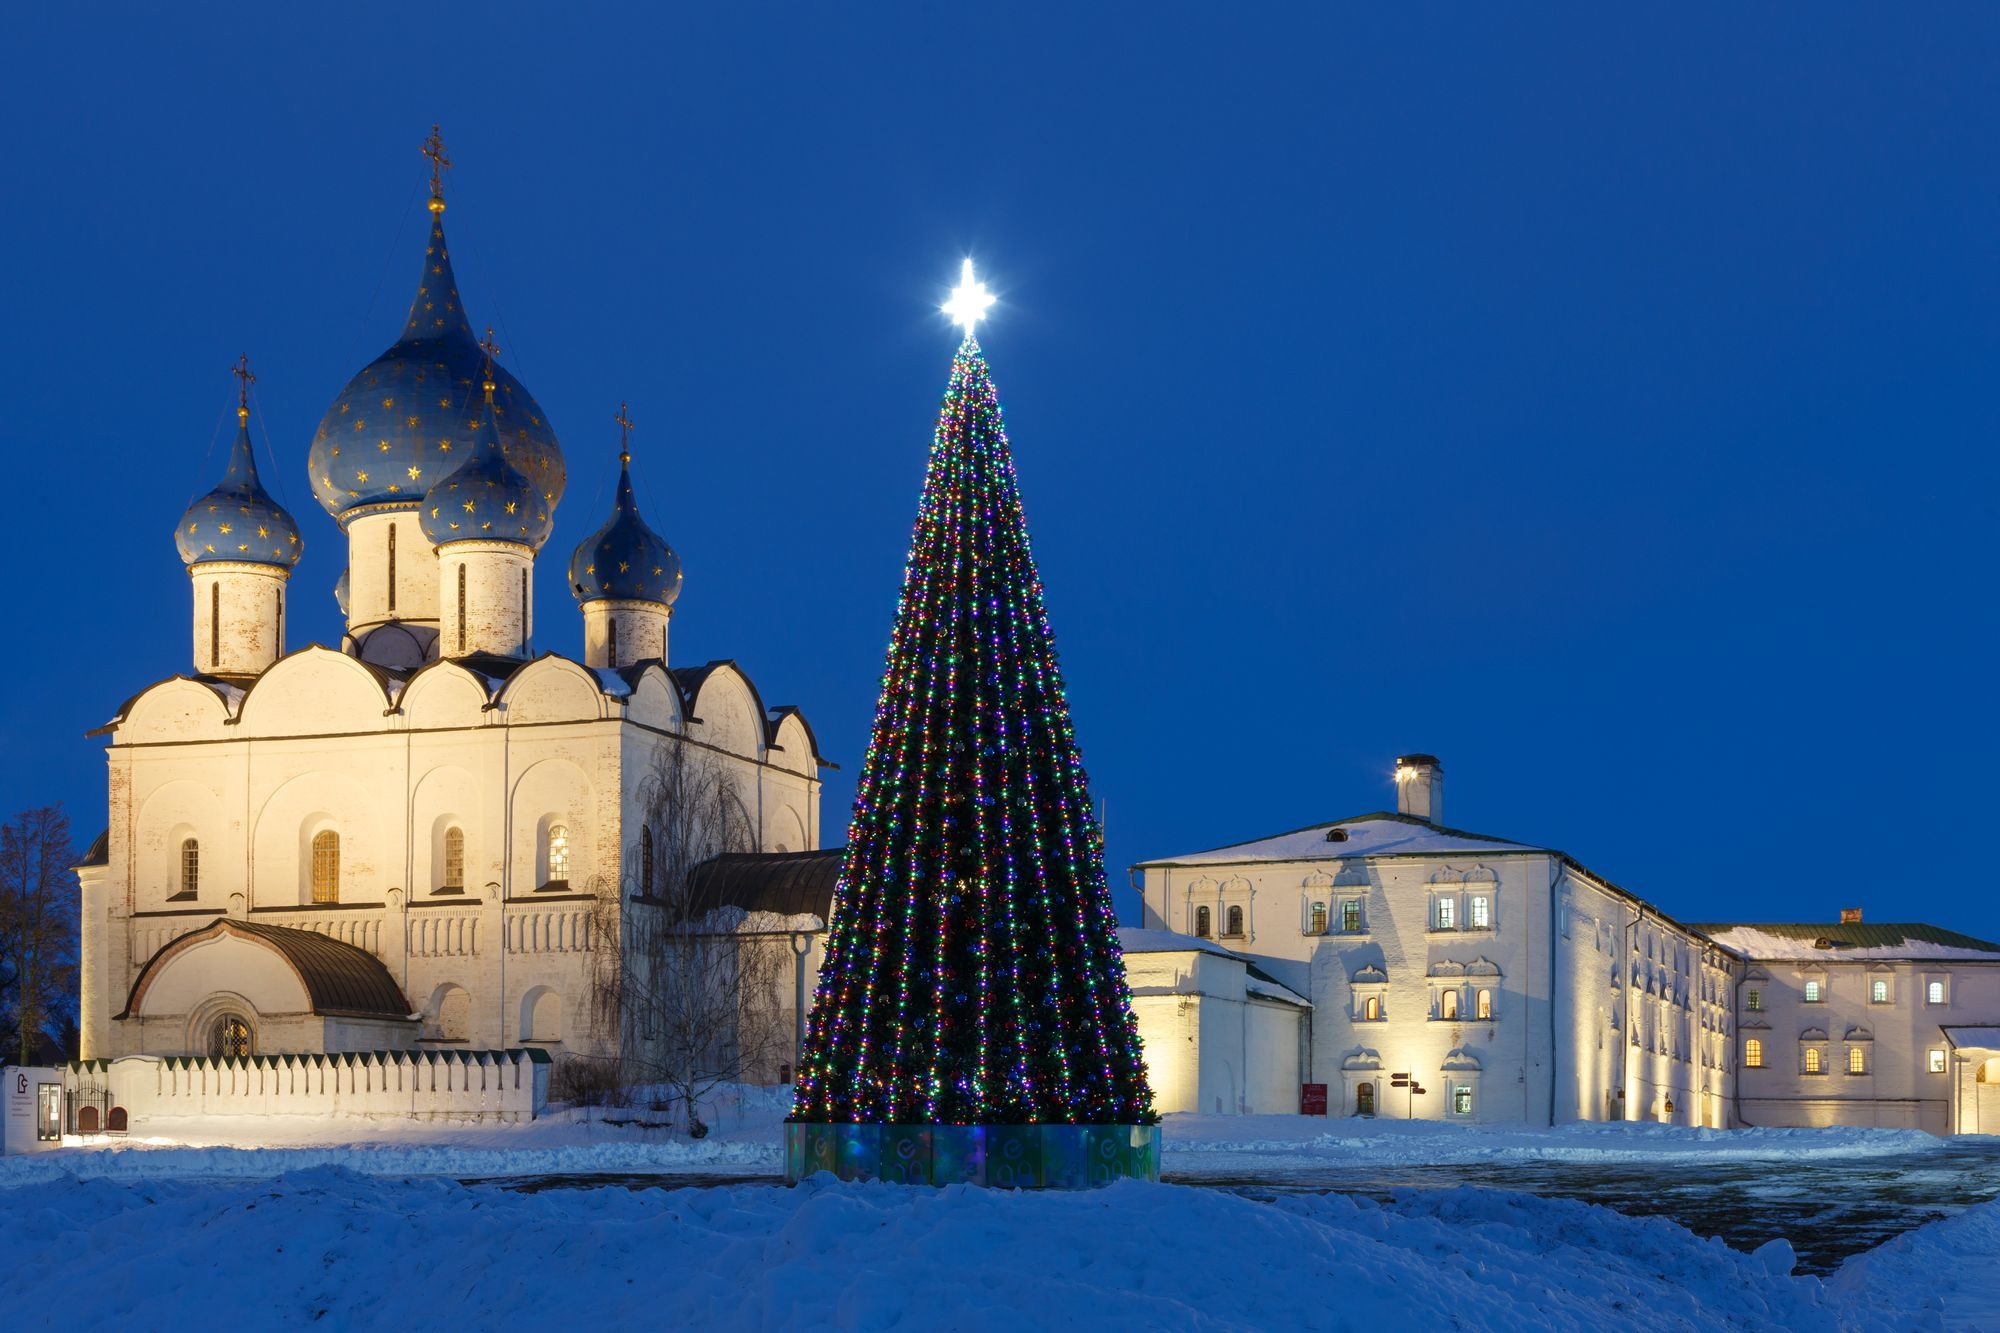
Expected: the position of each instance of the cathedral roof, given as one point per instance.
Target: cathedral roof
(783, 883)
(625, 559)
(239, 520)
(1852, 941)
(486, 497)
(409, 416)
(1379, 834)
(340, 979)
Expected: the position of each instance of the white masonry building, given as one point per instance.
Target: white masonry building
(1513, 984)
(425, 836)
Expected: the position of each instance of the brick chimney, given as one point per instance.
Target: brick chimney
(1420, 787)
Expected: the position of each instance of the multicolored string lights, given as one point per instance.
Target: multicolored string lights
(972, 973)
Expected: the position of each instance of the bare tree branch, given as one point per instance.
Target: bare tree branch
(38, 924)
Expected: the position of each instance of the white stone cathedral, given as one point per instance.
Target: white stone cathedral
(408, 839)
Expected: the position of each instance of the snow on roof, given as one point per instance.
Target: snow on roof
(1132, 939)
(612, 682)
(1377, 834)
(1795, 942)
(1271, 990)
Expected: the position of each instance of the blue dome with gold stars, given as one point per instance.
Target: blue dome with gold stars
(625, 560)
(239, 520)
(486, 498)
(408, 418)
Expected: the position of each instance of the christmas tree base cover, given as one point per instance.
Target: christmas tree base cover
(1001, 1156)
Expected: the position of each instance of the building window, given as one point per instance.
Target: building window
(1754, 1000)
(1448, 1004)
(1350, 915)
(645, 862)
(1371, 1009)
(558, 854)
(190, 868)
(1878, 991)
(1753, 1054)
(1857, 1060)
(1232, 923)
(392, 568)
(1364, 1099)
(1485, 1005)
(1813, 1065)
(1812, 992)
(1201, 922)
(1481, 913)
(326, 866)
(454, 858)
(1937, 1060)
(1461, 1099)
(1316, 919)
(230, 1038)
(1934, 992)
(1444, 914)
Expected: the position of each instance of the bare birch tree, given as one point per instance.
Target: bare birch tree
(694, 1001)
(38, 924)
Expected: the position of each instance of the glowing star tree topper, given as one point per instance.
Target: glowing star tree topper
(969, 301)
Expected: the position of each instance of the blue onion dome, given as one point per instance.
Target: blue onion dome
(486, 498)
(409, 416)
(625, 560)
(239, 520)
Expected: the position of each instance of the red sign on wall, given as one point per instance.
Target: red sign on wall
(1312, 1099)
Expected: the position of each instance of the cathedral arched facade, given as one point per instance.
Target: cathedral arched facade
(428, 834)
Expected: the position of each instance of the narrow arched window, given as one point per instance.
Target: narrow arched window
(558, 854)
(1812, 992)
(614, 642)
(645, 861)
(1371, 1009)
(454, 858)
(326, 866)
(1318, 919)
(1878, 991)
(1857, 1060)
(1485, 1009)
(1812, 1060)
(1233, 923)
(392, 568)
(214, 626)
(190, 868)
(1201, 922)
(461, 608)
(1753, 1054)
(1448, 1006)
(230, 1038)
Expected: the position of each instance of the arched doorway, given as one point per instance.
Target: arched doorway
(1364, 1099)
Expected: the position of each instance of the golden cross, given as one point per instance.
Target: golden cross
(241, 370)
(624, 436)
(434, 150)
(492, 349)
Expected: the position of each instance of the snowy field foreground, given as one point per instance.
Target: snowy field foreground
(360, 1225)
(339, 1249)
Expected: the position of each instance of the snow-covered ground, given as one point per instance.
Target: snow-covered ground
(364, 1225)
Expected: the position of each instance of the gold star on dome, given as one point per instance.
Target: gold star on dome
(224, 529)
(410, 422)
(388, 402)
(623, 567)
(444, 446)
(192, 527)
(394, 488)
(510, 506)
(359, 423)
(263, 531)
(361, 477)
(468, 509)
(416, 472)
(383, 445)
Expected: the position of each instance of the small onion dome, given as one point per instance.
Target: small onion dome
(488, 498)
(340, 593)
(625, 560)
(410, 415)
(239, 520)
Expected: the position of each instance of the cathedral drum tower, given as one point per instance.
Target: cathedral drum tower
(407, 420)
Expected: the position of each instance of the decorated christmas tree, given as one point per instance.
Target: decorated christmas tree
(972, 972)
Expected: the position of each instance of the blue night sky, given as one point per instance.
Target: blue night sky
(1603, 400)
